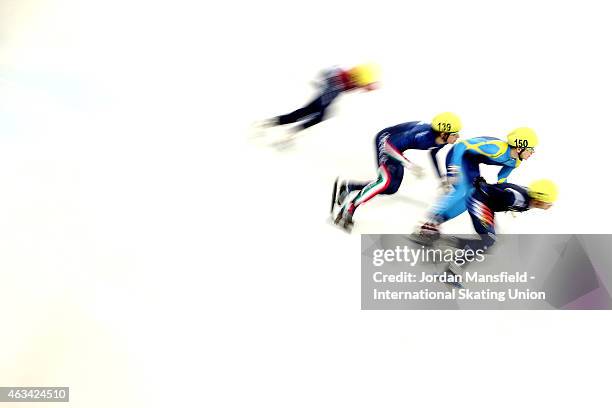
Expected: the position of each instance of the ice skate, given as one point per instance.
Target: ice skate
(344, 220)
(339, 194)
(426, 234)
(266, 123)
(286, 140)
(334, 196)
(343, 193)
(346, 223)
(259, 128)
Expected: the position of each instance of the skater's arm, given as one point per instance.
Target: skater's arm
(453, 165)
(457, 155)
(433, 153)
(503, 174)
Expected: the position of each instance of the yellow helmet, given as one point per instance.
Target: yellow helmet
(365, 74)
(446, 122)
(543, 190)
(523, 137)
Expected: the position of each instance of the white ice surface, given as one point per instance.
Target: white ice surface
(149, 247)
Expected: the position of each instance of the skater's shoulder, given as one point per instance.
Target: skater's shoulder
(403, 128)
(333, 68)
(331, 72)
(419, 128)
(485, 145)
(423, 127)
(407, 125)
(482, 139)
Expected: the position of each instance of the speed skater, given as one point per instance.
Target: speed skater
(462, 166)
(390, 143)
(487, 199)
(333, 82)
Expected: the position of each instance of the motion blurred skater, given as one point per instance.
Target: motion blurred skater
(332, 83)
(462, 167)
(390, 143)
(487, 199)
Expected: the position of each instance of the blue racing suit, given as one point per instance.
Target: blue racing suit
(462, 165)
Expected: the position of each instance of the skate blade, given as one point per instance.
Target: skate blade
(421, 240)
(334, 192)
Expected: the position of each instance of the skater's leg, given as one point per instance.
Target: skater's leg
(312, 113)
(311, 109)
(317, 109)
(381, 158)
(344, 188)
(454, 202)
(352, 185)
(483, 220)
(448, 207)
(390, 175)
(389, 179)
(324, 101)
(348, 186)
(313, 120)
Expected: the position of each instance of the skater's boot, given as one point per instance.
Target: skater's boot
(260, 128)
(344, 219)
(267, 123)
(347, 223)
(334, 198)
(427, 233)
(339, 193)
(343, 192)
(287, 140)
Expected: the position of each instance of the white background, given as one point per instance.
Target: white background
(151, 247)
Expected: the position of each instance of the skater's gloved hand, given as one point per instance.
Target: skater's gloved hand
(418, 171)
(445, 186)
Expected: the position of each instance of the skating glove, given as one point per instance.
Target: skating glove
(418, 171)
